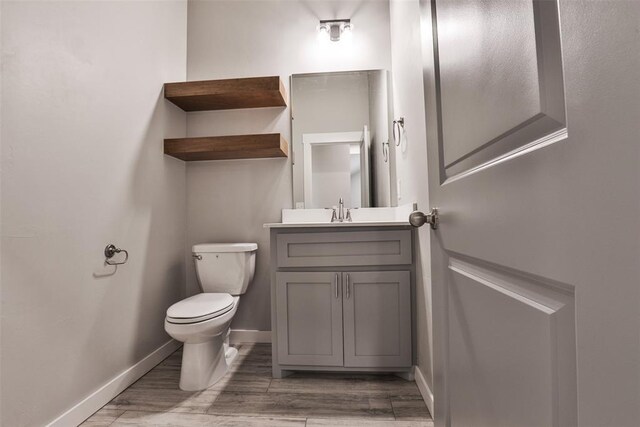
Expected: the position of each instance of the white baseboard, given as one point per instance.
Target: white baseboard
(96, 400)
(425, 391)
(250, 336)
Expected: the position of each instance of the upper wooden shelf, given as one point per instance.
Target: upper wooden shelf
(229, 94)
(227, 147)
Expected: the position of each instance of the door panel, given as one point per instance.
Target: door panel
(377, 319)
(499, 73)
(309, 318)
(508, 338)
(529, 140)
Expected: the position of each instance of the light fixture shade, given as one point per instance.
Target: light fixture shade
(347, 31)
(323, 32)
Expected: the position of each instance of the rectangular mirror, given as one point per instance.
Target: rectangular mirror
(340, 140)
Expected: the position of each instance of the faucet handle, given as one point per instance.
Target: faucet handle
(349, 218)
(334, 215)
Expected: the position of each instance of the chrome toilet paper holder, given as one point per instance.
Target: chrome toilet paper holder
(111, 250)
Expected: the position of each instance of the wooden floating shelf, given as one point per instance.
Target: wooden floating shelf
(227, 147)
(229, 94)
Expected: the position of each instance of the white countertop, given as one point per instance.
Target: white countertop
(397, 223)
(365, 217)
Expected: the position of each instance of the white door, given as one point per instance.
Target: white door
(533, 117)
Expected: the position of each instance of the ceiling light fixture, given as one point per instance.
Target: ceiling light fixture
(334, 28)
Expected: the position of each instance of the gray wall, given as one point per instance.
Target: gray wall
(379, 114)
(82, 166)
(230, 200)
(411, 156)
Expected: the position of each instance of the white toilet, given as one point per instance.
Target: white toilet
(202, 321)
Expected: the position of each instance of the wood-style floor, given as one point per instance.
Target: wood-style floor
(248, 396)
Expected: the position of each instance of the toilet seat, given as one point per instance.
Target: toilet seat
(199, 308)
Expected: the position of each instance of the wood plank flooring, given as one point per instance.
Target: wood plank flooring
(249, 396)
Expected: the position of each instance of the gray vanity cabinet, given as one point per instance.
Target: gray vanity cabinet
(309, 319)
(354, 319)
(341, 300)
(377, 319)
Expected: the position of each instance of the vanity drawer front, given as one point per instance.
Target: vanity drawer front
(349, 248)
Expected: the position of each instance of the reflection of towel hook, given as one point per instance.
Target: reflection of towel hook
(399, 125)
(111, 250)
(385, 151)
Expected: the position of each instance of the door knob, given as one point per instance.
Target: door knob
(418, 219)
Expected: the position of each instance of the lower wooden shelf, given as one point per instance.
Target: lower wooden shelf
(227, 147)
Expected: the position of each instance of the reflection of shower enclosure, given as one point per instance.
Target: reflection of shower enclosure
(336, 166)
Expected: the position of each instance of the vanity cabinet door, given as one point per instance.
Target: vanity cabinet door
(309, 318)
(377, 319)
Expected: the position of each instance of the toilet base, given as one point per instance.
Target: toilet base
(205, 363)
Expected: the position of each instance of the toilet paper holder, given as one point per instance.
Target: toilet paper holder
(111, 250)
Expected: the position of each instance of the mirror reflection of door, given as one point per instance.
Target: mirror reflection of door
(336, 167)
(340, 133)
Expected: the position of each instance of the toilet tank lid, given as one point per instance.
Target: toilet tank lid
(224, 247)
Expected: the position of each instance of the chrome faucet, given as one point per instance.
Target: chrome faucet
(338, 212)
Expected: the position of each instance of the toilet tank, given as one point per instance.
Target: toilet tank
(225, 267)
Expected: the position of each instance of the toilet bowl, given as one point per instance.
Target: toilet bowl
(202, 321)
